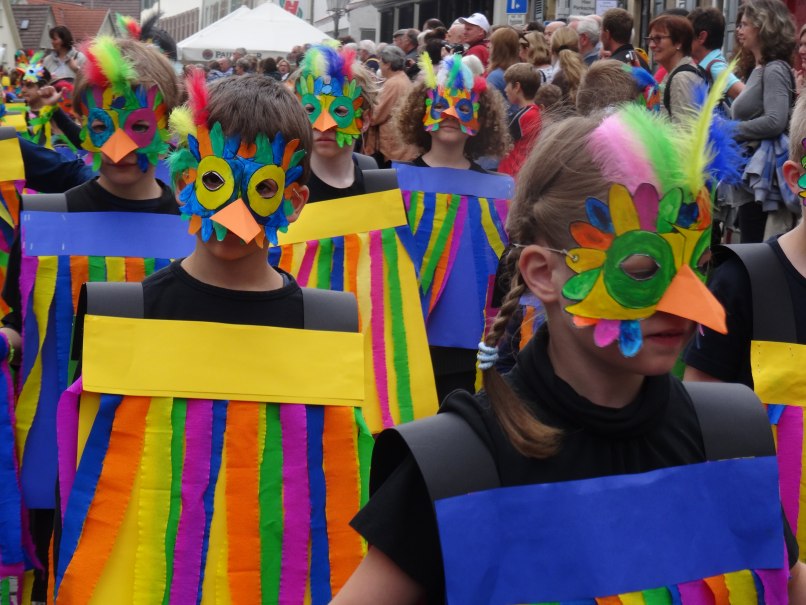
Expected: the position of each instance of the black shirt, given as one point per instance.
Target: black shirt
(87, 197)
(321, 191)
(727, 356)
(657, 430)
(626, 54)
(420, 162)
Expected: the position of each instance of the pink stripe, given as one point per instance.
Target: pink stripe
(790, 445)
(695, 593)
(296, 504)
(195, 477)
(775, 583)
(67, 439)
(378, 321)
(307, 263)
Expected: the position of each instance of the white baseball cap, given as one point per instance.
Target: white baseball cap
(477, 19)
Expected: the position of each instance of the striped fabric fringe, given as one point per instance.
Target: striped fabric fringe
(9, 219)
(376, 268)
(443, 223)
(788, 429)
(738, 588)
(179, 501)
(49, 288)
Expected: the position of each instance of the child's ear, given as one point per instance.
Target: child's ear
(543, 272)
(367, 120)
(792, 173)
(298, 200)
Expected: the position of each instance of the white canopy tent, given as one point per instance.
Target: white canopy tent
(265, 31)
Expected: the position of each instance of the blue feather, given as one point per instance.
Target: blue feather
(643, 78)
(727, 162)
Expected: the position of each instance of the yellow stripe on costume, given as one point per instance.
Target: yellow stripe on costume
(771, 363)
(355, 214)
(741, 587)
(115, 268)
(29, 397)
(490, 230)
(215, 588)
(244, 363)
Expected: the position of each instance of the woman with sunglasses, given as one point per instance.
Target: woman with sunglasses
(670, 40)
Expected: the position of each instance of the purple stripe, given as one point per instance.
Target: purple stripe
(195, 476)
(67, 439)
(296, 504)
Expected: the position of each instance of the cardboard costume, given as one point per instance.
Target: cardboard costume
(354, 245)
(226, 486)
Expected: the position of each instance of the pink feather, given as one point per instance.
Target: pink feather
(620, 155)
(92, 69)
(348, 54)
(197, 96)
(479, 85)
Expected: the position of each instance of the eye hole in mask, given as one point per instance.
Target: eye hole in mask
(639, 267)
(212, 181)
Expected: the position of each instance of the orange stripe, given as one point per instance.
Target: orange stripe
(352, 250)
(342, 489)
(135, 269)
(109, 505)
(9, 192)
(51, 576)
(720, 590)
(439, 272)
(243, 520)
(608, 601)
(203, 137)
(79, 275)
(527, 326)
(286, 258)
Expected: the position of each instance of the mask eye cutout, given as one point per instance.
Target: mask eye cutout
(440, 104)
(309, 108)
(98, 126)
(465, 109)
(141, 126)
(341, 111)
(212, 181)
(639, 267)
(266, 188)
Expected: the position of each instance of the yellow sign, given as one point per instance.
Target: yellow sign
(11, 167)
(778, 375)
(205, 360)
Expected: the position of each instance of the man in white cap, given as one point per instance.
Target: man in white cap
(476, 29)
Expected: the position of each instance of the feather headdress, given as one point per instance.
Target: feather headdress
(128, 26)
(332, 65)
(452, 74)
(31, 68)
(107, 67)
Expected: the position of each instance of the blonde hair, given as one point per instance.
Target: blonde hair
(564, 38)
(504, 49)
(551, 192)
(152, 67)
(569, 76)
(605, 84)
(539, 51)
(797, 130)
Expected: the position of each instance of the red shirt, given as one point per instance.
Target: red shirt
(481, 50)
(524, 128)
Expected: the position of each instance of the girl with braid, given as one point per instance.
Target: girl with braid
(589, 471)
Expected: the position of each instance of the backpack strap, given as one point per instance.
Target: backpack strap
(114, 299)
(45, 202)
(365, 162)
(452, 458)
(330, 311)
(7, 132)
(383, 179)
(733, 421)
(667, 92)
(773, 313)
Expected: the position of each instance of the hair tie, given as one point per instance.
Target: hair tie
(487, 356)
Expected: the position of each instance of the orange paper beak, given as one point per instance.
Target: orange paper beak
(688, 297)
(451, 112)
(118, 146)
(324, 122)
(237, 219)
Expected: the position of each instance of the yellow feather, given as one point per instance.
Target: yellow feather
(427, 67)
(181, 123)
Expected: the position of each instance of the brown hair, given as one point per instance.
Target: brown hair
(679, 30)
(525, 75)
(539, 51)
(797, 130)
(606, 83)
(251, 104)
(548, 96)
(618, 23)
(551, 192)
(776, 30)
(153, 69)
(504, 48)
(492, 138)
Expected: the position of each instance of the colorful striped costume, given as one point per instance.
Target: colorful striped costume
(351, 245)
(457, 221)
(61, 251)
(219, 495)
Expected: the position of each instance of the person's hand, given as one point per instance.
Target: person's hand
(50, 96)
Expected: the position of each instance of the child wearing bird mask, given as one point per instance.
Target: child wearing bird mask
(581, 475)
(261, 457)
(123, 95)
(337, 94)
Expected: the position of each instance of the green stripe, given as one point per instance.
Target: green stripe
(5, 591)
(657, 596)
(439, 246)
(178, 415)
(411, 215)
(148, 263)
(271, 506)
(97, 268)
(365, 443)
(325, 264)
(400, 350)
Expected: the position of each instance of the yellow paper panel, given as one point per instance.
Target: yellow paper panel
(778, 372)
(357, 214)
(11, 168)
(205, 360)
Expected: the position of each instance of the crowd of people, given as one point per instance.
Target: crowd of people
(406, 322)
